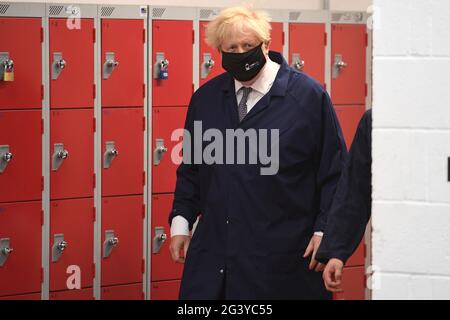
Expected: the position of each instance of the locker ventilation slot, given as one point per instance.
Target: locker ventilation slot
(55, 10)
(347, 16)
(4, 8)
(206, 13)
(294, 15)
(107, 11)
(158, 12)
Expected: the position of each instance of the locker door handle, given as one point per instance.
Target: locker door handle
(161, 67)
(339, 65)
(58, 65)
(159, 239)
(297, 62)
(59, 246)
(5, 250)
(59, 155)
(110, 64)
(110, 154)
(6, 67)
(208, 65)
(111, 241)
(5, 157)
(159, 151)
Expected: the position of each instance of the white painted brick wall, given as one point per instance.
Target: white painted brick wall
(411, 144)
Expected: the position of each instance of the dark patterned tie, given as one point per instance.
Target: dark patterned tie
(242, 108)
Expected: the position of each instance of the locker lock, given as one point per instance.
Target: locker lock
(339, 65)
(5, 250)
(159, 151)
(6, 67)
(297, 62)
(5, 157)
(110, 154)
(208, 65)
(110, 64)
(161, 67)
(159, 239)
(58, 65)
(111, 241)
(59, 155)
(59, 246)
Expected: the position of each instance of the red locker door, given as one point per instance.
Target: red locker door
(307, 42)
(21, 232)
(83, 294)
(71, 241)
(33, 296)
(357, 259)
(21, 143)
(163, 267)
(128, 292)
(122, 63)
(348, 63)
(71, 64)
(277, 35)
(353, 284)
(21, 44)
(122, 240)
(165, 290)
(71, 131)
(123, 132)
(165, 121)
(208, 71)
(349, 117)
(177, 89)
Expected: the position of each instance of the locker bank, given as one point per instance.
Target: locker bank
(89, 97)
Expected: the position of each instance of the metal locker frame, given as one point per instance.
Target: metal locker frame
(162, 13)
(118, 12)
(37, 10)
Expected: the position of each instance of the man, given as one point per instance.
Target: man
(351, 209)
(256, 230)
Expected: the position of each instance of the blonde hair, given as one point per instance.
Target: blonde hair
(236, 19)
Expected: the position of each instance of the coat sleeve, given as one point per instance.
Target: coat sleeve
(187, 191)
(351, 209)
(330, 160)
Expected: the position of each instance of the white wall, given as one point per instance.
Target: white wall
(411, 144)
(360, 5)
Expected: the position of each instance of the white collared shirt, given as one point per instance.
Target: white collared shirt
(261, 87)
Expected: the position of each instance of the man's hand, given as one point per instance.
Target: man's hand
(333, 274)
(311, 250)
(177, 244)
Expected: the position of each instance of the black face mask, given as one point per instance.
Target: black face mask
(244, 66)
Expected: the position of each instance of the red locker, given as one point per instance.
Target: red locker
(72, 153)
(165, 290)
(277, 35)
(163, 267)
(128, 292)
(307, 42)
(165, 121)
(349, 117)
(33, 296)
(208, 69)
(123, 151)
(123, 63)
(172, 62)
(20, 155)
(71, 241)
(348, 63)
(21, 48)
(353, 284)
(122, 240)
(83, 294)
(71, 64)
(20, 247)
(357, 259)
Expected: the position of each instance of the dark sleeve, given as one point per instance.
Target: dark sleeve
(331, 159)
(186, 201)
(351, 207)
